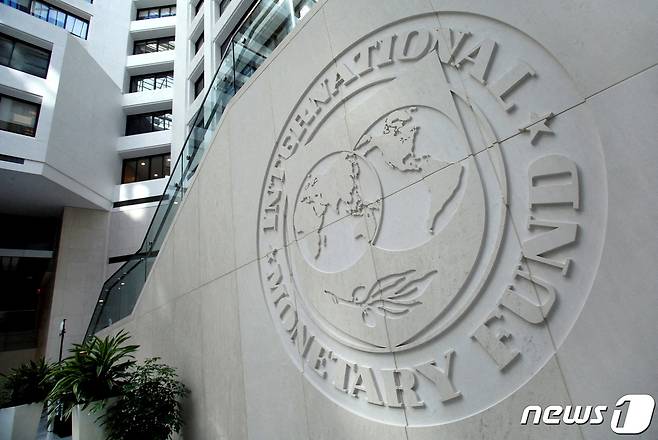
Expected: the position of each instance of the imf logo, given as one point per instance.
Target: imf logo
(421, 221)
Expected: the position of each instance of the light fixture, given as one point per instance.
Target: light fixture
(155, 174)
(142, 163)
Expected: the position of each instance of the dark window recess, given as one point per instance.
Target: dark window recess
(198, 86)
(198, 7)
(27, 280)
(223, 4)
(24, 56)
(18, 116)
(12, 159)
(148, 122)
(158, 12)
(225, 46)
(154, 45)
(146, 168)
(139, 201)
(198, 44)
(153, 81)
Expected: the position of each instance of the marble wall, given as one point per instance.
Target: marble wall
(417, 219)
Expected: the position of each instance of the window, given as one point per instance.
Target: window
(223, 4)
(153, 81)
(162, 11)
(21, 5)
(75, 25)
(198, 85)
(198, 7)
(154, 45)
(18, 116)
(23, 56)
(225, 46)
(198, 44)
(148, 122)
(146, 168)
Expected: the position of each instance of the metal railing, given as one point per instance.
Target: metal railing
(260, 31)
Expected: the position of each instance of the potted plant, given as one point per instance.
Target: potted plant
(24, 390)
(150, 407)
(85, 382)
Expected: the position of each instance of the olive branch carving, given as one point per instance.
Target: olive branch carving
(392, 296)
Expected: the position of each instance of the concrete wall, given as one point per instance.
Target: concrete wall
(81, 263)
(87, 121)
(513, 262)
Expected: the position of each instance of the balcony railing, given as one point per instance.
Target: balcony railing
(260, 31)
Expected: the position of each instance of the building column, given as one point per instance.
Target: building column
(79, 276)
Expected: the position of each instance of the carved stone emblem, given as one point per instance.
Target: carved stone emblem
(420, 223)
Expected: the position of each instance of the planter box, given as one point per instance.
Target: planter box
(86, 425)
(20, 422)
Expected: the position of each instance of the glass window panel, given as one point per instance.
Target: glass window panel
(40, 10)
(134, 84)
(21, 5)
(140, 47)
(6, 48)
(148, 84)
(167, 164)
(70, 23)
(84, 30)
(143, 171)
(198, 86)
(157, 167)
(198, 43)
(142, 14)
(151, 46)
(136, 124)
(76, 26)
(18, 116)
(160, 83)
(30, 59)
(166, 44)
(57, 17)
(161, 122)
(154, 13)
(129, 171)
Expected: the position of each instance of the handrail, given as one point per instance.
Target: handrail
(268, 21)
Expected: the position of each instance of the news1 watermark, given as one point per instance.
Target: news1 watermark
(632, 414)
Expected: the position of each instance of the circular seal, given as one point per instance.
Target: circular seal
(425, 242)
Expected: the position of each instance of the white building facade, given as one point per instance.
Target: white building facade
(97, 98)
